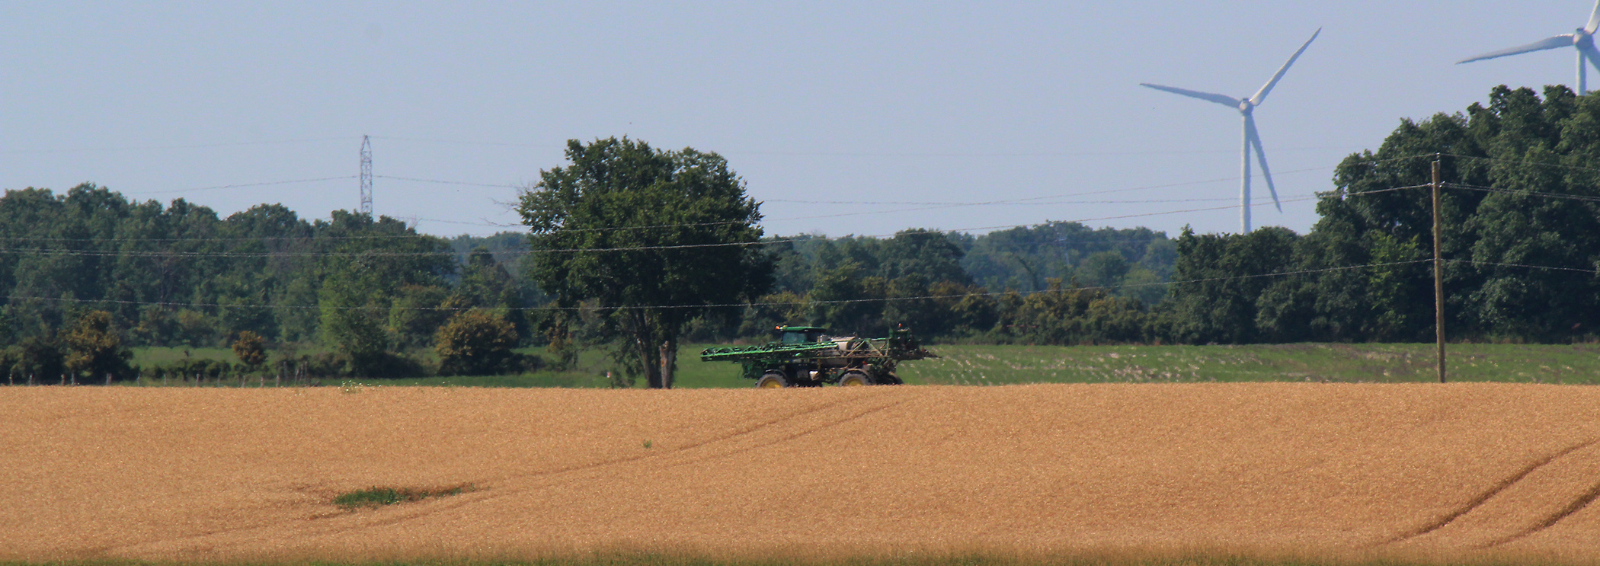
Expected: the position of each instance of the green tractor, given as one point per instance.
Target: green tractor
(805, 356)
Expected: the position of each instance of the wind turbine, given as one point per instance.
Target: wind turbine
(1247, 106)
(1581, 39)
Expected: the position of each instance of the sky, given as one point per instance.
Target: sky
(841, 117)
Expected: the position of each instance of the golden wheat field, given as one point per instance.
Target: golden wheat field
(249, 475)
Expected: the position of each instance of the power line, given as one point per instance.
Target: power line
(1030, 200)
(834, 301)
(1522, 265)
(1522, 162)
(243, 185)
(966, 203)
(751, 304)
(872, 154)
(443, 182)
(180, 146)
(156, 253)
(367, 253)
(468, 143)
(1036, 200)
(1522, 192)
(372, 253)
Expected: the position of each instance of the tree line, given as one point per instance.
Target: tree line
(352, 295)
(642, 249)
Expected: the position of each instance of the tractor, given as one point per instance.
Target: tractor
(806, 356)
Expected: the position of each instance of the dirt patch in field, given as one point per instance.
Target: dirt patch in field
(215, 474)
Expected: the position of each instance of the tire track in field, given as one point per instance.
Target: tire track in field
(1509, 482)
(748, 429)
(443, 506)
(312, 527)
(712, 443)
(1573, 507)
(791, 436)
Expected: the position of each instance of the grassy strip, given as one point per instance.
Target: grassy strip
(380, 496)
(1000, 365)
(1341, 363)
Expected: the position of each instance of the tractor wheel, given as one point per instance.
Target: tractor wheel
(772, 380)
(892, 379)
(854, 378)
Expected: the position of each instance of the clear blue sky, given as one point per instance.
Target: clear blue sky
(813, 101)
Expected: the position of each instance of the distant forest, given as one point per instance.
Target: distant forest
(1521, 225)
(179, 274)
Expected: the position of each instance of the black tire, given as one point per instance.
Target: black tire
(891, 379)
(772, 380)
(854, 379)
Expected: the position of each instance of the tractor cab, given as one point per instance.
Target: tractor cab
(801, 334)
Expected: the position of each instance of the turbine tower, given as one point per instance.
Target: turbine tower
(1246, 107)
(1581, 39)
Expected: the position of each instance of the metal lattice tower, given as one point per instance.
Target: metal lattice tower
(366, 175)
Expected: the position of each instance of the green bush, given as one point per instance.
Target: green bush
(475, 342)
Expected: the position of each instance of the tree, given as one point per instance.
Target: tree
(352, 321)
(362, 280)
(1212, 304)
(417, 313)
(650, 236)
(250, 349)
(475, 342)
(845, 302)
(94, 349)
(40, 359)
(923, 253)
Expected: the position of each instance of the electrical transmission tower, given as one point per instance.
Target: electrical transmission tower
(366, 175)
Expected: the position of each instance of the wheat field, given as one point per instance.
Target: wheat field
(249, 475)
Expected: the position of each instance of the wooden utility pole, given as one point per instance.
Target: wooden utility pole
(1438, 272)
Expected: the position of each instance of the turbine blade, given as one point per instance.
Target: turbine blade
(1262, 94)
(1224, 100)
(1261, 156)
(1594, 19)
(1592, 54)
(1551, 43)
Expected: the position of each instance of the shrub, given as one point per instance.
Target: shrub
(196, 328)
(250, 349)
(475, 342)
(94, 348)
(385, 364)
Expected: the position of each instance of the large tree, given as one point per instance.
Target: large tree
(650, 237)
(1520, 216)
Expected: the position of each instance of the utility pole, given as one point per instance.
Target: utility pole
(366, 175)
(1438, 273)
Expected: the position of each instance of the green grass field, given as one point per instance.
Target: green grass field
(1352, 363)
(1001, 365)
